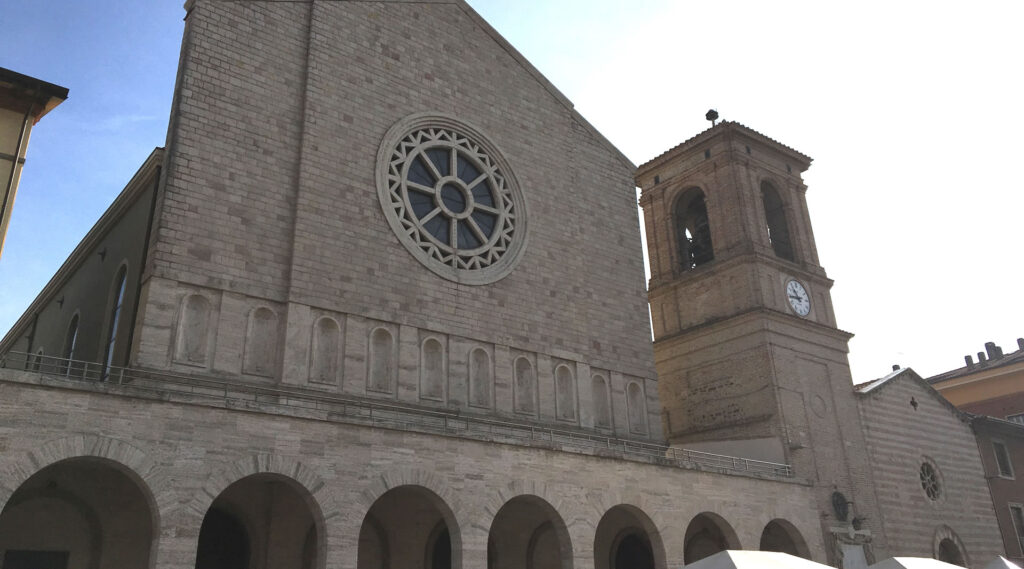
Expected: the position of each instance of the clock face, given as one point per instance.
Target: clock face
(798, 298)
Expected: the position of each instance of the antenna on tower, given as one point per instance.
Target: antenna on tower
(712, 115)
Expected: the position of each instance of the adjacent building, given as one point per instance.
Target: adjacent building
(991, 389)
(926, 467)
(24, 101)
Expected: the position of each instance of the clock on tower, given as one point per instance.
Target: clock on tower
(749, 358)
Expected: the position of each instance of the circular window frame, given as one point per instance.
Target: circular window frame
(502, 248)
(931, 483)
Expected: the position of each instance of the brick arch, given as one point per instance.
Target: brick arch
(638, 504)
(437, 492)
(406, 477)
(493, 502)
(300, 474)
(304, 479)
(568, 511)
(128, 459)
(640, 512)
(944, 532)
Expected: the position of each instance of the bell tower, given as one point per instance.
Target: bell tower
(749, 358)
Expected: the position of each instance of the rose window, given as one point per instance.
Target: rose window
(930, 481)
(448, 196)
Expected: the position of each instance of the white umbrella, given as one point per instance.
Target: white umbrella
(1002, 563)
(913, 563)
(738, 559)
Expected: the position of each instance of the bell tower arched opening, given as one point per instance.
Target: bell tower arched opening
(693, 230)
(775, 219)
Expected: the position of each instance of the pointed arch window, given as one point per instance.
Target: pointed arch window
(70, 339)
(115, 317)
(693, 231)
(775, 218)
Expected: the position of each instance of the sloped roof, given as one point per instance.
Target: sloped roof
(868, 387)
(544, 82)
(1006, 360)
(1002, 425)
(706, 134)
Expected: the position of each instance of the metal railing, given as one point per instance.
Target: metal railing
(331, 407)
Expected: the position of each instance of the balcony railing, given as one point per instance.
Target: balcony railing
(330, 407)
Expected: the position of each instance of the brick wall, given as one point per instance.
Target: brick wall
(900, 438)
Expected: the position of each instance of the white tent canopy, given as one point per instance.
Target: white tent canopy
(736, 559)
(913, 563)
(1002, 563)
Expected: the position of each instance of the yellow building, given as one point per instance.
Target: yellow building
(23, 102)
(993, 385)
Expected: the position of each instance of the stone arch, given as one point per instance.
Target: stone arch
(261, 342)
(707, 534)
(948, 547)
(524, 386)
(775, 216)
(636, 408)
(323, 353)
(295, 475)
(394, 478)
(421, 523)
(526, 531)
(429, 485)
(692, 229)
(565, 393)
(134, 464)
(481, 379)
(130, 460)
(602, 401)
(191, 343)
(380, 374)
(432, 369)
(627, 538)
(287, 467)
(781, 535)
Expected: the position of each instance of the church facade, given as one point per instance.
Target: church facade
(380, 303)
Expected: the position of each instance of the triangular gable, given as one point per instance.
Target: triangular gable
(908, 374)
(544, 82)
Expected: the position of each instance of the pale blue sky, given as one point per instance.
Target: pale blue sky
(911, 110)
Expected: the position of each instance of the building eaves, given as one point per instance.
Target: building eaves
(869, 387)
(1002, 425)
(707, 134)
(1009, 359)
(545, 83)
(17, 90)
